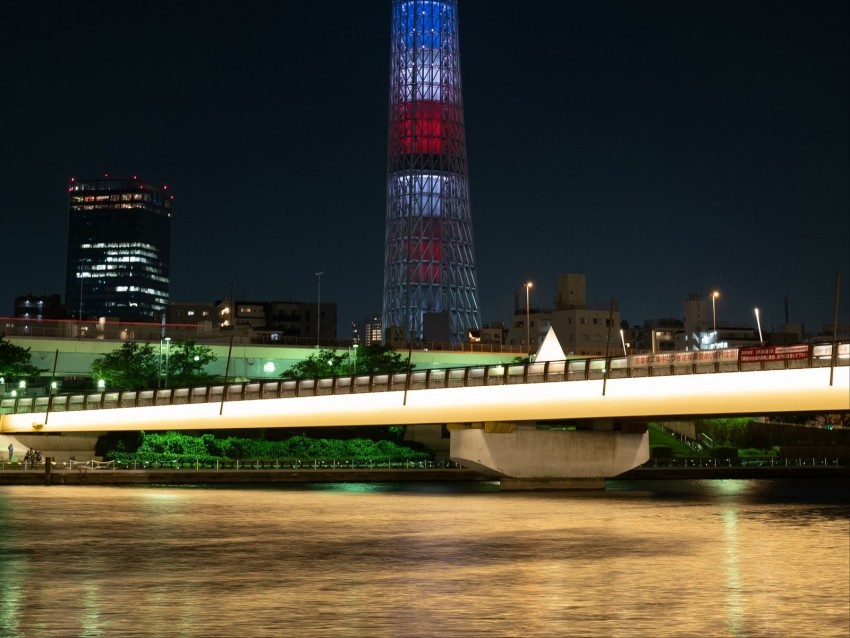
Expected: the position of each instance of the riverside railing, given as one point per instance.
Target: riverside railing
(580, 369)
(679, 462)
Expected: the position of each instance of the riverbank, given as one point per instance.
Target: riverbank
(88, 476)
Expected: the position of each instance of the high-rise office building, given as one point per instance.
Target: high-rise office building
(430, 280)
(119, 241)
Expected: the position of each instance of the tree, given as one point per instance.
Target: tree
(377, 359)
(136, 366)
(15, 361)
(372, 359)
(325, 363)
(186, 363)
(133, 366)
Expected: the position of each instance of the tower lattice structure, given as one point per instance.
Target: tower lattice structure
(429, 274)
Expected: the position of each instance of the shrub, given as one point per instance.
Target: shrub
(171, 447)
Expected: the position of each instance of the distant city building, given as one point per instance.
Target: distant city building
(494, 334)
(430, 279)
(278, 320)
(695, 322)
(298, 319)
(119, 241)
(729, 337)
(529, 328)
(696, 331)
(581, 328)
(373, 331)
(39, 307)
(183, 312)
(827, 329)
(660, 335)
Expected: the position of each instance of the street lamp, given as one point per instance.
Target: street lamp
(528, 286)
(758, 323)
(318, 306)
(167, 352)
(714, 297)
(80, 311)
(355, 346)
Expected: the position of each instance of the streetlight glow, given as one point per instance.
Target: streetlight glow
(758, 323)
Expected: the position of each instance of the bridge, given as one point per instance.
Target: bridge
(571, 422)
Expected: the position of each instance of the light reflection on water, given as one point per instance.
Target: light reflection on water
(707, 558)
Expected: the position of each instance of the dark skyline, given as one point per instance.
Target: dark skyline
(662, 149)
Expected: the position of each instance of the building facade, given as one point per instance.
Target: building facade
(430, 280)
(581, 328)
(305, 322)
(39, 307)
(119, 243)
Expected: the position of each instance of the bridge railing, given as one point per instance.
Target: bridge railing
(633, 366)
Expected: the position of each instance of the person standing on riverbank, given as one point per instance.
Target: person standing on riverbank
(11, 452)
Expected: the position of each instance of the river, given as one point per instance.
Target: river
(642, 558)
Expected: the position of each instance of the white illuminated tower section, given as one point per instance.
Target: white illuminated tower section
(430, 278)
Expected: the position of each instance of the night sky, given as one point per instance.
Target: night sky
(662, 148)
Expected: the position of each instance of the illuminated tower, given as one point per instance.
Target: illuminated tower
(430, 281)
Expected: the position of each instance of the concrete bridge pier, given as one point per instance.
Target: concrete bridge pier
(523, 456)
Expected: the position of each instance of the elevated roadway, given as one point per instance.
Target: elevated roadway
(630, 389)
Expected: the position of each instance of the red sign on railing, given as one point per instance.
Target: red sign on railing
(773, 353)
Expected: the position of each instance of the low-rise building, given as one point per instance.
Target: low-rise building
(581, 328)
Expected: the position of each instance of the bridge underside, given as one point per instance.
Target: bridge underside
(523, 456)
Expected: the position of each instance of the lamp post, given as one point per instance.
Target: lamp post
(355, 346)
(167, 352)
(80, 311)
(714, 297)
(318, 306)
(758, 323)
(528, 286)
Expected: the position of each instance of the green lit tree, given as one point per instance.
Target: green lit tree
(372, 359)
(186, 363)
(133, 366)
(376, 359)
(325, 363)
(136, 366)
(15, 362)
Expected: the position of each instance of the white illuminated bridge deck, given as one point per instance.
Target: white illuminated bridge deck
(745, 381)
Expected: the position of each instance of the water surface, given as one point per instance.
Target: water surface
(677, 558)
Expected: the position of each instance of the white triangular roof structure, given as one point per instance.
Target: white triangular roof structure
(550, 349)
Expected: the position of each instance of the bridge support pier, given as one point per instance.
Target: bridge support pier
(524, 457)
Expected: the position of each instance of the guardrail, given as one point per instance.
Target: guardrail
(237, 464)
(336, 464)
(584, 369)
